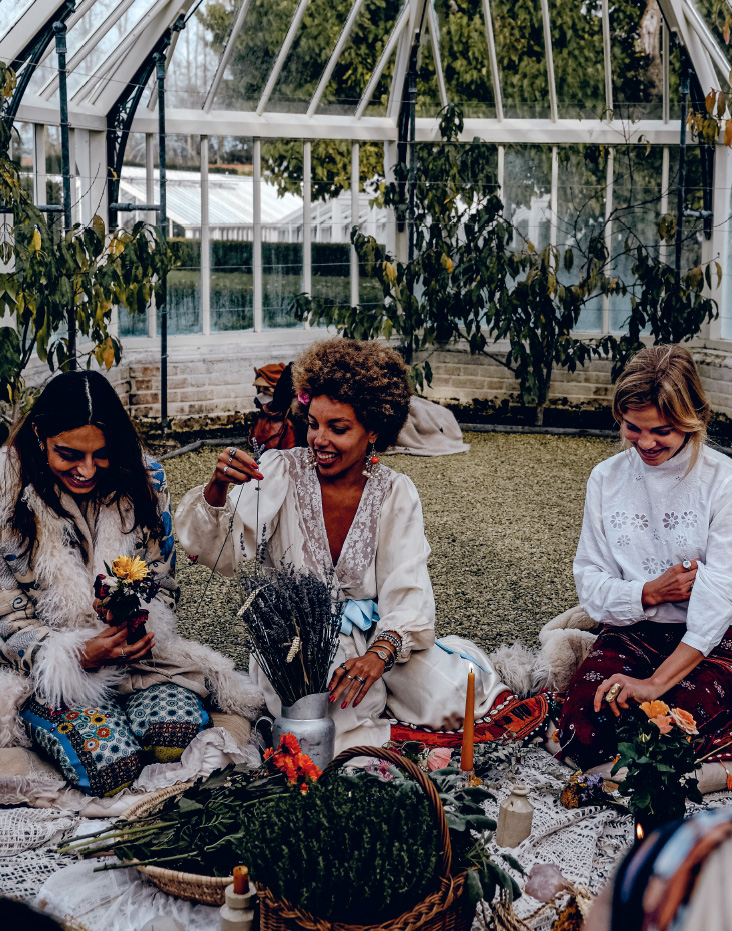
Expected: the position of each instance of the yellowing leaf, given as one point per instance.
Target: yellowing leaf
(725, 32)
(35, 241)
(98, 226)
(446, 262)
(728, 132)
(710, 100)
(108, 354)
(390, 273)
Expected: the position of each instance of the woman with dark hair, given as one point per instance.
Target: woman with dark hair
(77, 492)
(334, 508)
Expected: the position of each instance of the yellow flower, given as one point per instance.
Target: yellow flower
(654, 708)
(130, 569)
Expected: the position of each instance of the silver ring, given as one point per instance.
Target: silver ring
(231, 459)
(347, 676)
(360, 679)
(226, 469)
(232, 452)
(686, 564)
(123, 657)
(343, 666)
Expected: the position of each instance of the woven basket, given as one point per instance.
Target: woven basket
(445, 909)
(208, 890)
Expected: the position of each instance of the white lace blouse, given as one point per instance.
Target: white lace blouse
(640, 520)
(384, 556)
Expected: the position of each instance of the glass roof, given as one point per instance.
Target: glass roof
(548, 60)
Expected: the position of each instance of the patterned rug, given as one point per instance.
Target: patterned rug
(511, 718)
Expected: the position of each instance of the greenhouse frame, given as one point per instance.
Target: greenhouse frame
(601, 86)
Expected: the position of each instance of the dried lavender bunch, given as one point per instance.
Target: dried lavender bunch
(293, 624)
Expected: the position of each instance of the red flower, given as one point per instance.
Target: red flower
(290, 760)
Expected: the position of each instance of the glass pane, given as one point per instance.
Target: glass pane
(358, 59)
(519, 36)
(581, 216)
(316, 38)
(465, 61)
(527, 193)
(281, 250)
(577, 37)
(255, 48)
(192, 67)
(636, 59)
(10, 13)
(636, 212)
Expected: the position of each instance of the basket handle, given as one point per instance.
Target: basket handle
(428, 786)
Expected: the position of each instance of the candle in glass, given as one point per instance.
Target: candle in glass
(466, 757)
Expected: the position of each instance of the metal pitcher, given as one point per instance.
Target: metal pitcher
(309, 721)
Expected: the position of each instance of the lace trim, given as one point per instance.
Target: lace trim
(359, 547)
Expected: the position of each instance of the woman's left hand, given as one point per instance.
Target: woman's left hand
(638, 689)
(352, 680)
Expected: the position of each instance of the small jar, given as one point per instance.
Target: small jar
(515, 816)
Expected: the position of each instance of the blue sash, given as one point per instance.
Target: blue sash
(362, 614)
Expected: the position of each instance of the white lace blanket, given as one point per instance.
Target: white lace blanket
(584, 843)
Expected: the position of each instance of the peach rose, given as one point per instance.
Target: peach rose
(663, 723)
(654, 708)
(683, 720)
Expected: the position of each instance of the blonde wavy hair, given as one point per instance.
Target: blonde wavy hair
(368, 375)
(667, 378)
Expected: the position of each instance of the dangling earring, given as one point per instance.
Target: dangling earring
(311, 460)
(372, 460)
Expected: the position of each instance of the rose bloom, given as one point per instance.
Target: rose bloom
(654, 708)
(683, 720)
(663, 723)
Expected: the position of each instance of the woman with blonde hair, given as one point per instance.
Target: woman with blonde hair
(334, 510)
(654, 563)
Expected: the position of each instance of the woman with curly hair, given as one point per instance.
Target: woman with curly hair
(333, 507)
(77, 491)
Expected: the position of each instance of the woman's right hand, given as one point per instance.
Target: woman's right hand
(675, 584)
(110, 648)
(233, 467)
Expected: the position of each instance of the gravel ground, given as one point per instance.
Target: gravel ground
(503, 522)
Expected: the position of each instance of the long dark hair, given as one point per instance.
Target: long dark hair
(69, 401)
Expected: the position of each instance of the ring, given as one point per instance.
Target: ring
(232, 452)
(343, 666)
(613, 693)
(226, 469)
(686, 564)
(123, 657)
(347, 676)
(360, 679)
(231, 459)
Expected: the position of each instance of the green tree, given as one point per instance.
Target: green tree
(43, 275)
(475, 278)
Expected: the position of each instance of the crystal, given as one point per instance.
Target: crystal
(545, 880)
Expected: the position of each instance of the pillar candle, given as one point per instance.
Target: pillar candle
(241, 880)
(466, 757)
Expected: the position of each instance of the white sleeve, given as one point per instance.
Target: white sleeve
(404, 591)
(602, 592)
(222, 537)
(710, 606)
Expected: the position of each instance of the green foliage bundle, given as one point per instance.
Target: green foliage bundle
(44, 276)
(474, 277)
(655, 744)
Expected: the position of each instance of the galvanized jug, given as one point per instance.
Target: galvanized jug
(309, 721)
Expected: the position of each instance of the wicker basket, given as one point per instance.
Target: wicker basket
(446, 909)
(208, 890)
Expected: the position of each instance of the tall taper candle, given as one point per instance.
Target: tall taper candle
(466, 757)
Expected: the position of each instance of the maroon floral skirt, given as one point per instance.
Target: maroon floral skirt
(588, 737)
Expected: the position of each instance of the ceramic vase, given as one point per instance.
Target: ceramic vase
(312, 726)
(515, 817)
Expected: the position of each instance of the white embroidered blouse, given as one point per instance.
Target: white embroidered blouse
(640, 520)
(384, 556)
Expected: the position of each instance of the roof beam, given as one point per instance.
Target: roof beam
(283, 53)
(493, 58)
(399, 27)
(549, 52)
(335, 55)
(28, 25)
(225, 56)
(434, 30)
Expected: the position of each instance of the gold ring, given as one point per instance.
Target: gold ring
(613, 692)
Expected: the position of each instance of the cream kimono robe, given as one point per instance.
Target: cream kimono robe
(384, 558)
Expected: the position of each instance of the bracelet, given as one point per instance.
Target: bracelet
(387, 663)
(391, 638)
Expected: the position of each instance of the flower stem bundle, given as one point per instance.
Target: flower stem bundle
(294, 627)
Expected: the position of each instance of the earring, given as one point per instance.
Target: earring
(310, 459)
(372, 460)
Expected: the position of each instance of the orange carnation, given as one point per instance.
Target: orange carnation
(655, 708)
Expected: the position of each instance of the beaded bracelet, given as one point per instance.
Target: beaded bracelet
(391, 638)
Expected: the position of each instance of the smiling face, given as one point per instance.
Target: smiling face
(653, 437)
(78, 458)
(337, 438)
